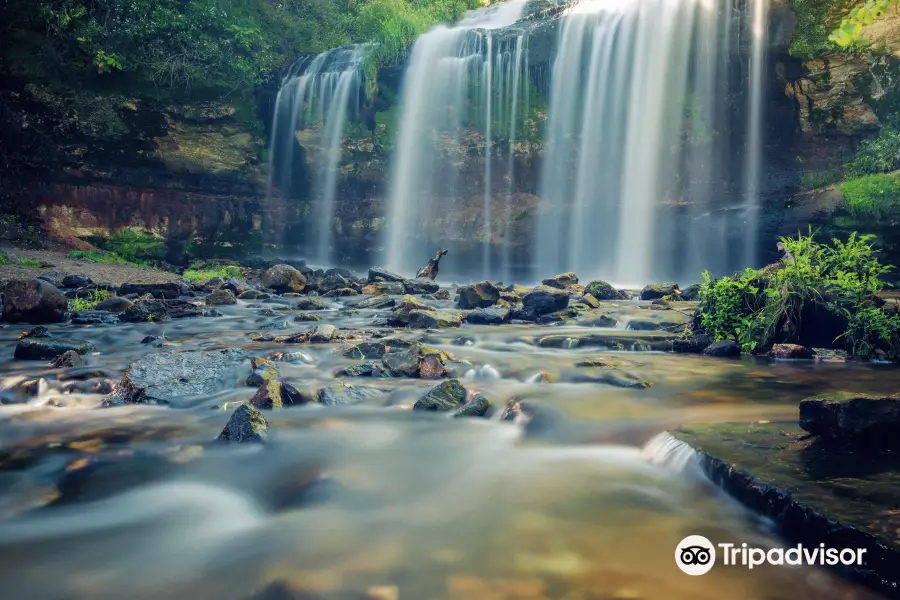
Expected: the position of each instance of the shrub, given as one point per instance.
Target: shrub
(879, 154)
(872, 332)
(94, 298)
(759, 306)
(872, 196)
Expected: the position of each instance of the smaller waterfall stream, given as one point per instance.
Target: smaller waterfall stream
(311, 111)
(753, 166)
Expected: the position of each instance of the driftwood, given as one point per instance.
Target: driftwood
(430, 271)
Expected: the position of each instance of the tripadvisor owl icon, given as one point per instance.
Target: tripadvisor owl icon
(695, 555)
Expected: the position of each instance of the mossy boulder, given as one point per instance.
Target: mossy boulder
(220, 297)
(493, 315)
(434, 319)
(601, 290)
(247, 424)
(310, 303)
(47, 348)
(853, 417)
(261, 371)
(400, 315)
(561, 281)
(284, 279)
(480, 406)
(268, 396)
(478, 295)
(655, 291)
(545, 299)
(445, 396)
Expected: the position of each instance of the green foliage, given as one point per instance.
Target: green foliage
(815, 20)
(872, 332)
(101, 256)
(132, 246)
(29, 262)
(859, 16)
(812, 181)
(3, 259)
(879, 154)
(872, 196)
(224, 272)
(90, 303)
(757, 306)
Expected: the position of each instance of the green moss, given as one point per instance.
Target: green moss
(812, 181)
(29, 262)
(132, 246)
(872, 196)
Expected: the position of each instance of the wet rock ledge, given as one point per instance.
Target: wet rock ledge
(818, 489)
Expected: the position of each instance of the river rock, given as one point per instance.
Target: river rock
(345, 394)
(493, 315)
(220, 297)
(145, 311)
(381, 274)
(431, 367)
(655, 291)
(561, 281)
(441, 295)
(94, 317)
(420, 286)
(306, 318)
(853, 417)
(376, 302)
(340, 293)
(76, 281)
(478, 295)
(252, 295)
(172, 377)
(310, 303)
(366, 350)
(332, 282)
(545, 299)
(598, 319)
(585, 300)
(693, 344)
(261, 370)
(247, 424)
(162, 291)
(404, 363)
(434, 319)
(392, 288)
(723, 349)
(601, 290)
(33, 301)
(400, 315)
(67, 360)
(47, 348)
(447, 395)
(115, 305)
(479, 406)
(268, 396)
(690, 293)
(363, 370)
(284, 278)
(791, 351)
(322, 334)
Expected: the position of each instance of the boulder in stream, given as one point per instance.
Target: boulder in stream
(220, 297)
(445, 396)
(561, 281)
(858, 418)
(162, 291)
(377, 274)
(478, 295)
(601, 290)
(655, 291)
(723, 349)
(33, 301)
(247, 424)
(493, 315)
(283, 279)
(545, 299)
(177, 377)
(47, 348)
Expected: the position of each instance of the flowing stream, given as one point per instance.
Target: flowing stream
(587, 501)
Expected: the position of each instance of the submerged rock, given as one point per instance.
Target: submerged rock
(655, 291)
(853, 417)
(33, 301)
(67, 359)
(544, 299)
(601, 290)
(479, 406)
(494, 315)
(561, 281)
(723, 349)
(47, 348)
(447, 395)
(220, 297)
(284, 278)
(478, 295)
(247, 424)
(94, 317)
(172, 377)
(594, 319)
(345, 394)
(791, 351)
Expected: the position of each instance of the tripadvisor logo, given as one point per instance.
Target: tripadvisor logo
(696, 555)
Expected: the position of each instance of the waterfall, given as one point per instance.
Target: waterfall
(753, 167)
(638, 129)
(311, 111)
(454, 80)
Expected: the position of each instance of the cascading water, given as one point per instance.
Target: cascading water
(307, 130)
(753, 167)
(457, 78)
(637, 126)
